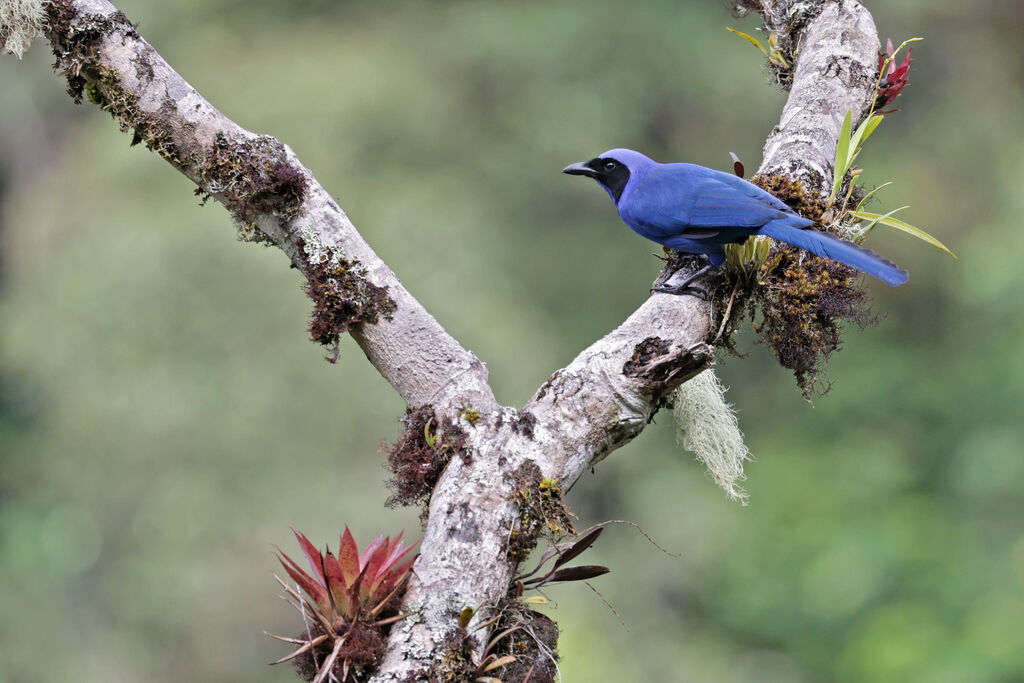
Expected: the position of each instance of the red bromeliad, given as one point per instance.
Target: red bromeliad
(351, 597)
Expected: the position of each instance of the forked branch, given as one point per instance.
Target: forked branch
(478, 527)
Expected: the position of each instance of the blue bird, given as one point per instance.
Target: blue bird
(697, 210)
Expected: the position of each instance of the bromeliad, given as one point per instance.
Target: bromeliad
(348, 601)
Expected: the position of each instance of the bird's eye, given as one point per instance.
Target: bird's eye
(609, 166)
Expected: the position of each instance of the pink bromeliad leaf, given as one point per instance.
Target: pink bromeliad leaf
(312, 554)
(313, 588)
(374, 571)
(348, 557)
(395, 576)
(337, 586)
(391, 572)
(368, 552)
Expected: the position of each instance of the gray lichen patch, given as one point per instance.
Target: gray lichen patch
(20, 22)
(523, 422)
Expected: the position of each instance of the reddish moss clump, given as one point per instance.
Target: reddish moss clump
(803, 309)
(541, 510)
(362, 651)
(253, 175)
(342, 297)
(793, 193)
(798, 302)
(420, 455)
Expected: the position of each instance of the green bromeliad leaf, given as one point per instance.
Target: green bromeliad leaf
(891, 221)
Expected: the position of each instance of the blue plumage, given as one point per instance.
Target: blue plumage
(697, 210)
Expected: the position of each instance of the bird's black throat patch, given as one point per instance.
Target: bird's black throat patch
(611, 173)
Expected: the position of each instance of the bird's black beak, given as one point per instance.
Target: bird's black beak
(580, 169)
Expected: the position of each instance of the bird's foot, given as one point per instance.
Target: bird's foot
(685, 287)
(682, 289)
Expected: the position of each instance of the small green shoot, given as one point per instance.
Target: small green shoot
(431, 439)
(773, 55)
(849, 147)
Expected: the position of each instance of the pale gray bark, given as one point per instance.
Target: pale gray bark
(835, 73)
(587, 409)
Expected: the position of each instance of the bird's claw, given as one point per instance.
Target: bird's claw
(685, 288)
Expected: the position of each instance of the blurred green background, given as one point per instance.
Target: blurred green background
(163, 419)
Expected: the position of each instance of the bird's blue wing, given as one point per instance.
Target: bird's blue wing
(698, 202)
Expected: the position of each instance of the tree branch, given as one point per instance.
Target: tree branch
(835, 73)
(268, 190)
(480, 525)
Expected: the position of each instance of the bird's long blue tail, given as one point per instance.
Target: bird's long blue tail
(830, 246)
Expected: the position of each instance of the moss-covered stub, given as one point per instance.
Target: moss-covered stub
(419, 456)
(361, 652)
(342, 296)
(253, 176)
(643, 354)
(541, 510)
(659, 368)
(530, 637)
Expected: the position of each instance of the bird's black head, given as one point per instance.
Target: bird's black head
(610, 172)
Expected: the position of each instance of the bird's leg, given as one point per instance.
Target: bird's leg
(684, 286)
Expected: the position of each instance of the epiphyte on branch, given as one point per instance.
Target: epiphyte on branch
(347, 603)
